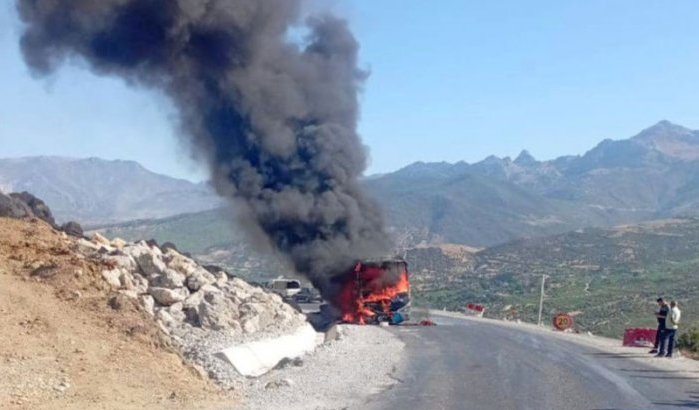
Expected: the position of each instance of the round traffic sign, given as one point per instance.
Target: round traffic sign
(562, 321)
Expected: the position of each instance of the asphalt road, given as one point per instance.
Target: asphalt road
(465, 364)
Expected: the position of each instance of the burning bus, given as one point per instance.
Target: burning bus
(375, 291)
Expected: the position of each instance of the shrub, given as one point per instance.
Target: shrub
(689, 340)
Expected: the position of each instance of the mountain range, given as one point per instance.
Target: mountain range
(97, 191)
(652, 175)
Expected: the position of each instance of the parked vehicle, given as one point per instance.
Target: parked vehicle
(285, 287)
(308, 295)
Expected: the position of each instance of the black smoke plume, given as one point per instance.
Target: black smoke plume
(275, 120)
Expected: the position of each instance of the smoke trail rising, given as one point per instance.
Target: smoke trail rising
(275, 121)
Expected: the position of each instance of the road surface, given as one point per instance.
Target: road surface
(474, 364)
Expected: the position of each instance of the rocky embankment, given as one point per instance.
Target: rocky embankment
(70, 341)
(72, 307)
(202, 310)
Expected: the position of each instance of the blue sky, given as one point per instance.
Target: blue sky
(450, 80)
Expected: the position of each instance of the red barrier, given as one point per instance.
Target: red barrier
(477, 308)
(639, 337)
(474, 309)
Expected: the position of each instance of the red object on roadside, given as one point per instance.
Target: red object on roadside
(562, 321)
(425, 322)
(639, 337)
(476, 307)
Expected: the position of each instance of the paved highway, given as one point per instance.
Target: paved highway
(467, 364)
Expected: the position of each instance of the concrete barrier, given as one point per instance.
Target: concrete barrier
(257, 358)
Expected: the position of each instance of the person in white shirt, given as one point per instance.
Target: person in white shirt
(668, 337)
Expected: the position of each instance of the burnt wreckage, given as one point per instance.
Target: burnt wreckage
(374, 292)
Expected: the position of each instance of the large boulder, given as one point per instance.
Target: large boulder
(167, 297)
(13, 208)
(168, 245)
(73, 229)
(165, 319)
(196, 276)
(199, 278)
(127, 281)
(121, 260)
(176, 311)
(113, 276)
(86, 247)
(147, 303)
(190, 307)
(99, 239)
(118, 243)
(149, 259)
(140, 283)
(170, 278)
(179, 262)
(193, 300)
(238, 287)
(38, 207)
(218, 312)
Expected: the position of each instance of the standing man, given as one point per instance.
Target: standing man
(668, 337)
(661, 315)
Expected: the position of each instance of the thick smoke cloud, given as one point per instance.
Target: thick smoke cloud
(276, 121)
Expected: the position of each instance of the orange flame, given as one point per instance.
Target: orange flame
(366, 293)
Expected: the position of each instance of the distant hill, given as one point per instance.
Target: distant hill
(96, 191)
(609, 278)
(468, 208)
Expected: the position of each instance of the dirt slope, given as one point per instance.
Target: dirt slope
(63, 346)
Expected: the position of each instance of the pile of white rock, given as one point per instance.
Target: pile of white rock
(202, 310)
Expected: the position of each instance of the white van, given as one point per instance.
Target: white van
(285, 287)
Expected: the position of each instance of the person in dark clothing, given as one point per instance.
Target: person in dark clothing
(661, 315)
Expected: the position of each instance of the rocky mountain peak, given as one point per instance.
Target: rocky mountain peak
(525, 159)
(663, 130)
(672, 140)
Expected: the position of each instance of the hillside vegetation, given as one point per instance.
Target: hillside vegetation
(608, 278)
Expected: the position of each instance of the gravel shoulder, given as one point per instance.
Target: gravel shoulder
(341, 374)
